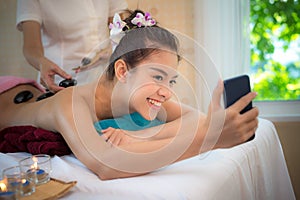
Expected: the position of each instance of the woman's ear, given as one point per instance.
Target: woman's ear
(120, 70)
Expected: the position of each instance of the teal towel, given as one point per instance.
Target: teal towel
(130, 122)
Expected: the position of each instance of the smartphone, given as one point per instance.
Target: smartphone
(234, 89)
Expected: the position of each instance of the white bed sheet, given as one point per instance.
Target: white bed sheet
(253, 170)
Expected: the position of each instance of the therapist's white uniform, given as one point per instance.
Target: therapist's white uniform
(71, 30)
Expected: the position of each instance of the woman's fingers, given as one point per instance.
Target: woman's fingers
(112, 135)
(57, 70)
(243, 102)
(48, 71)
(50, 84)
(250, 115)
(106, 133)
(252, 125)
(117, 140)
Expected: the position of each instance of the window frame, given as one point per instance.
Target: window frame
(279, 111)
(215, 20)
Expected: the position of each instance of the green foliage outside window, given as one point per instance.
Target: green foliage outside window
(274, 22)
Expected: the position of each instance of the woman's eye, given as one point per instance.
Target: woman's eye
(158, 78)
(172, 82)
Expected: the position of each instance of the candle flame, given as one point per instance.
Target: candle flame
(34, 159)
(35, 165)
(3, 187)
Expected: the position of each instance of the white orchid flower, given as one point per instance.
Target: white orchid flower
(116, 30)
(141, 20)
(117, 25)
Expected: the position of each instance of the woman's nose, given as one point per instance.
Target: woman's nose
(165, 92)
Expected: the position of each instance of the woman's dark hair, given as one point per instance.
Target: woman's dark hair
(139, 43)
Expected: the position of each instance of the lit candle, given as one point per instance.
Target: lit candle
(39, 173)
(4, 194)
(37, 168)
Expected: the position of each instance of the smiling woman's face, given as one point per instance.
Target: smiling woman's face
(150, 83)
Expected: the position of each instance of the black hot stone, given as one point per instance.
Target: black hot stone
(67, 83)
(23, 96)
(44, 96)
(86, 61)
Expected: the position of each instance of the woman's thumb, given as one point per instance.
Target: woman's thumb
(217, 93)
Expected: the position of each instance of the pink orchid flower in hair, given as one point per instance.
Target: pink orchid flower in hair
(141, 20)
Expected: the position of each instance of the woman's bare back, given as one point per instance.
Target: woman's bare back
(32, 112)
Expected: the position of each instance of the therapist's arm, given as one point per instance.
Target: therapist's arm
(33, 51)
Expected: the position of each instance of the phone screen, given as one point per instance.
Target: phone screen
(234, 89)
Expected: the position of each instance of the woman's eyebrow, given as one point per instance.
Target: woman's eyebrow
(162, 71)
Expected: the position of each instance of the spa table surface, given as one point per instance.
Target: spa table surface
(253, 170)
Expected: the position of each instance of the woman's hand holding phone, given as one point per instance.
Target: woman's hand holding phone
(228, 127)
(234, 89)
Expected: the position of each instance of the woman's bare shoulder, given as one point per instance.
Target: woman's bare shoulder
(71, 103)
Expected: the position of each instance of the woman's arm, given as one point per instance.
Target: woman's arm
(32, 43)
(172, 113)
(230, 120)
(33, 51)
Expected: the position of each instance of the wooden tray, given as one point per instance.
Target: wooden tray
(54, 189)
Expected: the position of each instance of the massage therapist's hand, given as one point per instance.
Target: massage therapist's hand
(237, 128)
(48, 70)
(117, 136)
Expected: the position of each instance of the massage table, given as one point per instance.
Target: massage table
(253, 170)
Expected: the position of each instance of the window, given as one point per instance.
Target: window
(222, 29)
(275, 49)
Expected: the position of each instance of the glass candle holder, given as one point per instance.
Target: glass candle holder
(18, 182)
(37, 168)
(4, 193)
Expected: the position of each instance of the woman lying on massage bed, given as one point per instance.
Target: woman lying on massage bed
(139, 79)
